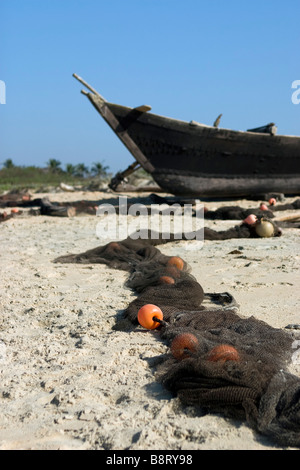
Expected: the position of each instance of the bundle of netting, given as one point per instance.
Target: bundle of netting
(221, 362)
(217, 360)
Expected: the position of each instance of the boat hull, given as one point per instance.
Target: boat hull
(193, 159)
(211, 187)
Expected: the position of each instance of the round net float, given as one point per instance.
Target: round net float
(263, 207)
(272, 201)
(223, 353)
(264, 228)
(183, 345)
(172, 271)
(147, 316)
(166, 280)
(177, 262)
(113, 246)
(251, 219)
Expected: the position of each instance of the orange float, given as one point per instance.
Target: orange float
(114, 246)
(251, 219)
(263, 207)
(177, 262)
(172, 271)
(223, 353)
(184, 345)
(166, 280)
(147, 313)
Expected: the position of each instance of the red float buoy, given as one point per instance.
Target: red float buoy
(146, 315)
(184, 345)
(177, 262)
(166, 280)
(223, 353)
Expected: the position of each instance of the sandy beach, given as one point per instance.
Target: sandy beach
(71, 381)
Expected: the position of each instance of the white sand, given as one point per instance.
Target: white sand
(68, 381)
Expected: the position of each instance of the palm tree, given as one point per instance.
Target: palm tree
(70, 169)
(98, 169)
(81, 170)
(54, 165)
(8, 163)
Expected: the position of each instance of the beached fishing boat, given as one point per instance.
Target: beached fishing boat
(197, 160)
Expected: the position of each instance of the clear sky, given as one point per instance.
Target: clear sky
(188, 59)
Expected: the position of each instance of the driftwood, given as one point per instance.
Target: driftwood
(47, 208)
(287, 218)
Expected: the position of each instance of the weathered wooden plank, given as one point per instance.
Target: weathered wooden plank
(86, 84)
(144, 108)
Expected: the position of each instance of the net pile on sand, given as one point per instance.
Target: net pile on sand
(224, 363)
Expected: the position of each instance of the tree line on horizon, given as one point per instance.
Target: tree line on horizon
(79, 170)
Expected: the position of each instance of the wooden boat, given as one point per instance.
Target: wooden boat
(197, 160)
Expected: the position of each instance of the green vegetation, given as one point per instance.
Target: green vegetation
(33, 177)
(99, 170)
(8, 163)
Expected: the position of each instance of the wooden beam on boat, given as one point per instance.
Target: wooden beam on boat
(102, 107)
(120, 176)
(267, 129)
(144, 108)
(86, 84)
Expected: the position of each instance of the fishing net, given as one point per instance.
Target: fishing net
(254, 385)
(236, 213)
(230, 212)
(239, 213)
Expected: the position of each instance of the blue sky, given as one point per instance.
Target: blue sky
(190, 59)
